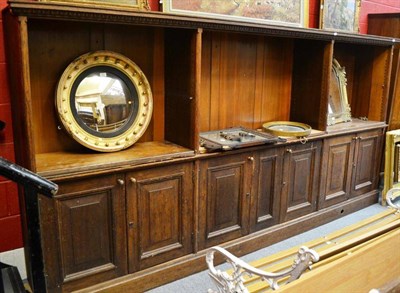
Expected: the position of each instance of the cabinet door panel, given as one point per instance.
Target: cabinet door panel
(159, 205)
(301, 178)
(224, 190)
(92, 210)
(336, 170)
(365, 173)
(91, 229)
(159, 215)
(265, 199)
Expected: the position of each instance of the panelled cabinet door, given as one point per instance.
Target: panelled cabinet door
(224, 192)
(91, 231)
(265, 199)
(301, 172)
(160, 215)
(365, 172)
(349, 166)
(336, 171)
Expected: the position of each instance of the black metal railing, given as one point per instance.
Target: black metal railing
(27, 179)
(33, 186)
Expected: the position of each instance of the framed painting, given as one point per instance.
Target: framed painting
(280, 12)
(340, 15)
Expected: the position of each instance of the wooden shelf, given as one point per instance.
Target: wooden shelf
(69, 164)
(353, 126)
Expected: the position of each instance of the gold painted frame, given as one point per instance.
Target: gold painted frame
(135, 4)
(340, 16)
(338, 96)
(243, 10)
(392, 164)
(133, 74)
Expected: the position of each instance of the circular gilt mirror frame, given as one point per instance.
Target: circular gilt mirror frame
(104, 101)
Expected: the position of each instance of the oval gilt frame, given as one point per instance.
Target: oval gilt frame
(302, 129)
(133, 74)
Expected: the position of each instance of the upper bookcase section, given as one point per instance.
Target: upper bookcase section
(111, 14)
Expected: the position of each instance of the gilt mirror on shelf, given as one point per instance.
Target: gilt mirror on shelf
(104, 101)
(338, 105)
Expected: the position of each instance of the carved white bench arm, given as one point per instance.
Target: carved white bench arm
(230, 283)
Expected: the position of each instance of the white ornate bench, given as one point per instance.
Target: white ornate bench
(357, 258)
(233, 282)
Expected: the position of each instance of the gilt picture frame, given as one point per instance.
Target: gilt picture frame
(338, 105)
(279, 12)
(134, 4)
(340, 15)
(392, 162)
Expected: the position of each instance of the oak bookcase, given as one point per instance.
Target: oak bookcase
(144, 216)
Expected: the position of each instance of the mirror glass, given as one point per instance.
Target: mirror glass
(103, 100)
(289, 128)
(396, 167)
(338, 106)
(334, 100)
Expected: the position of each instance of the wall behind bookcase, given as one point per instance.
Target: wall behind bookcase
(10, 227)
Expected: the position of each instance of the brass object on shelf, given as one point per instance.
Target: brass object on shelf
(104, 101)
(287, 128)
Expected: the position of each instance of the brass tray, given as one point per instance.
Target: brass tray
(287, 128)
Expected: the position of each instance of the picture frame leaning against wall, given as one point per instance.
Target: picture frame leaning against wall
(340, 15)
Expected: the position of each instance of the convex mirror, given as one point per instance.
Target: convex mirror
(338, 105)
(104, 101)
